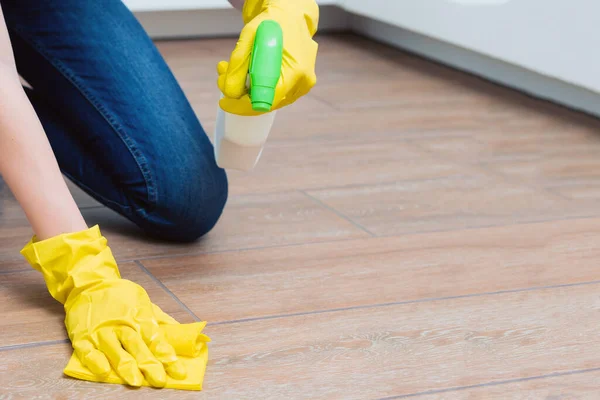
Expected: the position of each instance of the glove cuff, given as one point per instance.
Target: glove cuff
(308, 8)
(72, 262)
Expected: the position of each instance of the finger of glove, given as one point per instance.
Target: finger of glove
(177, 370)
(301, 80)
(222, 72)
(174, 368)
(241, 106)
(154, 338)
(152, 369)
(298, 82)
(92, 358)
(300, 89)
(161, 316)
(222, 67)
(122, 362)
(164, 352)
(151, 319)
(234, 85)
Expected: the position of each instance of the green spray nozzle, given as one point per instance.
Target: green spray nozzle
(265, 65)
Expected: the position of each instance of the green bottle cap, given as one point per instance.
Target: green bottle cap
(265, 65)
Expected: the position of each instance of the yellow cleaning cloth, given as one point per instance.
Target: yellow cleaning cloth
(195, 367)
(189, 344)
(118, 334)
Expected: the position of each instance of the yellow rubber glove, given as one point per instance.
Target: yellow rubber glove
(298, 20)
(189, 344)
(114, 328)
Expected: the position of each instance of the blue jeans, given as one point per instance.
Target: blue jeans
(118, 121)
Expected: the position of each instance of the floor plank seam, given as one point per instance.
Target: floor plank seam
(338, 213)
(405, 136)
(457, 175)
(202, 253)
(493, 383)
(36, 344)
(423, 232)
(553, 190)
(360, 307)
(342, 240)
(166, 289)
(532, 221)
(361, 185)
(404, 302)
(333, 106)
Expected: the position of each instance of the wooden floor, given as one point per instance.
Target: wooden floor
(410, 231)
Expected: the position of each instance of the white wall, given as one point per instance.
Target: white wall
(164, 5)
(556, 38)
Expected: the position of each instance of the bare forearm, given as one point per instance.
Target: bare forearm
(29, 167)
(27, 162)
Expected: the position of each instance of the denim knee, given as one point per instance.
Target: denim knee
(188, 207)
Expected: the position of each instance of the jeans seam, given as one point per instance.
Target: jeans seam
(107, 202)
(138, 157)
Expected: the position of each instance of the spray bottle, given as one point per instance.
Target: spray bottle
(240, 140)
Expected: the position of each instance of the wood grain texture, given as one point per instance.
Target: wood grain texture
(496, 144)
(403, 349)
(309, 278)
(303, 301)
(561, 170)
(411, 91)
(248, 221)
(576, 385)
(31, 315)
(457, 201)
(405, 122)
(7, 267)
(372, 353)
(330, 162)
(559, 161)
(581, 192)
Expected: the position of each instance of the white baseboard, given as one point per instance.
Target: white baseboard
(180, 24)
(175, 24)
(516, 77)
(227, 22)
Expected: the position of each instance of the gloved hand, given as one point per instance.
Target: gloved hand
(111, 321)
(189, 344)
(299, 21)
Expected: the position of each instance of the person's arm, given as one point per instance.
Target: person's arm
(27, 162)
(114, 328)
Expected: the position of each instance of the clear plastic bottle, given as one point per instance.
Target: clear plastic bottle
(240, 140)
